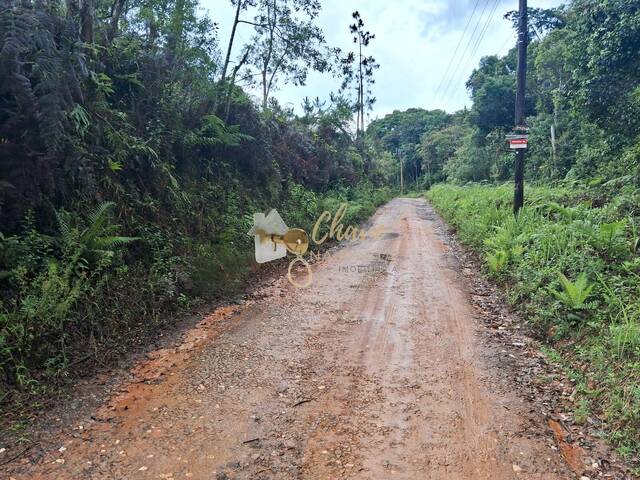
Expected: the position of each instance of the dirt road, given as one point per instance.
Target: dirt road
(370, 373)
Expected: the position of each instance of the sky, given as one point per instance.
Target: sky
(415, 44)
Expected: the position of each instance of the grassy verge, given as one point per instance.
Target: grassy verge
(570, 264)
(107, 280)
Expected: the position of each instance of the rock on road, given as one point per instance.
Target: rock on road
(370, 373)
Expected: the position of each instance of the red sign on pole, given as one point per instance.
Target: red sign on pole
(518, 142)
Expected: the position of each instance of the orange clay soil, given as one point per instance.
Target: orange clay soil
(378, 370)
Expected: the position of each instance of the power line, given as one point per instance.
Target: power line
(484, 30)
(479, 39)
(471, 39)
(477, 43)
(464, 52)
(455, 53)
(476, 46)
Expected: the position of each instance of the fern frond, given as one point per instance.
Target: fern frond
(107, 243)
(574, 294)
(42, 63)
(98, 224)
(100, 212)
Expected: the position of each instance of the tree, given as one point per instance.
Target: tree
(555, 128)
(117, 11)
(604, 46)
(493, 104)
(240, 6)
(470, 163)
(287, 43)
(437, 147)
(400, 134)
(359, 76)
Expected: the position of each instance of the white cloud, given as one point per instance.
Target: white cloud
(414, 42)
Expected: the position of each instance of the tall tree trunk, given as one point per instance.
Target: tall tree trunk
(230, 46)
(116, 14)
(264, 89)
(358, 113)
(174, 38)
(275, 69)
(267, 58)
(360, 89)
(232, 82)
(86, 21)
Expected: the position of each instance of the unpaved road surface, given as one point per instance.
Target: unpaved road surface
(378, 370)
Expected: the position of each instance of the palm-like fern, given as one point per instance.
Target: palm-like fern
(574, 294)
(215, 132)
(609, 232)
(98, 238)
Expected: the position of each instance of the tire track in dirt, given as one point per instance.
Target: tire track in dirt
(363, 375)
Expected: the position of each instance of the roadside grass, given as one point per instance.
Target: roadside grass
(89, 293)
(570, 265)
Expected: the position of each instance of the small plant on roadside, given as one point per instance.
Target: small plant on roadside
(96, 240)
(497, 260)
(581, 411)
(624, 330)
(573, 294)
(625, 338)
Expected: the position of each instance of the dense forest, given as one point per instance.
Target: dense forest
(134, 150)
(131, 162)
(583, 105)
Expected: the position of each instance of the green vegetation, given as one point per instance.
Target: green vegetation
(569, 261)
(570, 264)
(87, 288)
(582, 105)
(132, 159)
(133, 154)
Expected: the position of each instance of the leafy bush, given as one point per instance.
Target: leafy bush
(497, 260)
(49, 282)
(573, 270)
(573, 294)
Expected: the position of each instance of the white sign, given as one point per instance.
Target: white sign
(263, 227)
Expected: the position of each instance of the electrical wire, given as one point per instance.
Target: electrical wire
(460, 61)
(478, 41)
(455, 53)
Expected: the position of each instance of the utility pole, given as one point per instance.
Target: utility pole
(518, 196)
(401, 179)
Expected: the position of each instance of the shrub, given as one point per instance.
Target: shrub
(545, 258)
